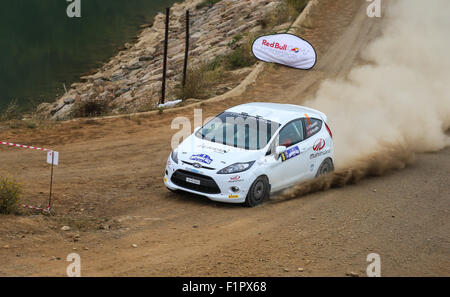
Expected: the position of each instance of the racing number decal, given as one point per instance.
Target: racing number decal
(290, 153)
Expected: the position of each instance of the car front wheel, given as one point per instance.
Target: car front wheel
(259, 191)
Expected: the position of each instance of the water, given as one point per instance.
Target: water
(41, 47)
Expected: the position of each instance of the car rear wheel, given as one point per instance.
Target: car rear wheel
(326, 167)
(258, 192)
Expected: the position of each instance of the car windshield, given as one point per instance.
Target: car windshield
(239, 130)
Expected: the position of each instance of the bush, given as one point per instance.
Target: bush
(241, 56)
(298, 5)
(200, 80)
(10, 193)
(90, 108)
(208, 3)
(286, 11)
(12, 112)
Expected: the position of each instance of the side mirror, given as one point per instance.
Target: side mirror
(280, 149)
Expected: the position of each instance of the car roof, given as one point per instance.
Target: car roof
(277, 112)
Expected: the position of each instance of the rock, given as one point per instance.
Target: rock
(352, 274)
(285, 270)
(138, 65)
(134, 245)
(69, 101)
(300, 269)
(65, 228)
(57, 108)
(145, 58)
(6, 246)
(195, 226)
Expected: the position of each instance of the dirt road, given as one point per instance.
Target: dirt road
(109, 190)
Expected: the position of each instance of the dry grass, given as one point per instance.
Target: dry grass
(10, 194)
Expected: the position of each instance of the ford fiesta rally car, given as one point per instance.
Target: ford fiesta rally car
(250, 151)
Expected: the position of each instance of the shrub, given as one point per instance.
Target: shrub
(10, 193)
(208, 3)
(298, 5)
(285, 12)
(200, 80)
(12, 112)
(241, 56)
(90, 108)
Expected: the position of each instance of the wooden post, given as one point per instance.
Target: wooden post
(163, 89)
(186, 54)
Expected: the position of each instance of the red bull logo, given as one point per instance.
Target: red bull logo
(274, 45)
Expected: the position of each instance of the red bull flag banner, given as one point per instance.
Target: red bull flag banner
(285, 49)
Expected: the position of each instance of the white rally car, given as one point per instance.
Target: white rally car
(250, 151)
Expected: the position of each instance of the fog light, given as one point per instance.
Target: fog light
(234, 189)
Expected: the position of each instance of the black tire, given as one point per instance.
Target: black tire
(326, 167)
(258, 192)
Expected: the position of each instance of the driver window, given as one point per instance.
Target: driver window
(291, 134)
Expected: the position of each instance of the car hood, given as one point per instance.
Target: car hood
(213, 155)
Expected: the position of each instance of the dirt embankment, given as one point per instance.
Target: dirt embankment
(123, 221)
(131, 81)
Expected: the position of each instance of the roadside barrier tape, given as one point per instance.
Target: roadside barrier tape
(25, 146)
(47, 209)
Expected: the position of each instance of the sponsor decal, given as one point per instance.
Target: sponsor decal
(274, 45)
(313, 128)
(169, 163)
(192, 170)
(290, 153)
(165, 179)
(201, 158)
(309, 121)
(214, 149)
(319, 144)
(233, 196)
(234, 179)
(313, 156)
(311, 167)
(286, 49)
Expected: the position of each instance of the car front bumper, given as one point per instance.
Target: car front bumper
(223, 182)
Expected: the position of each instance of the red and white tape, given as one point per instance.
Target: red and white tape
(47, 209)
(25, 146)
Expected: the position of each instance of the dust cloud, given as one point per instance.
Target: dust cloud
(397, 104)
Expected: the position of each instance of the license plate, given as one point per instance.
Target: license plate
(192, 180)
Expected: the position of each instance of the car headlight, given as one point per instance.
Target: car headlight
(174, 156)
(236, 167)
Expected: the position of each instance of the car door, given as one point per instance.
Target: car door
(291, 166)
(312, 142)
